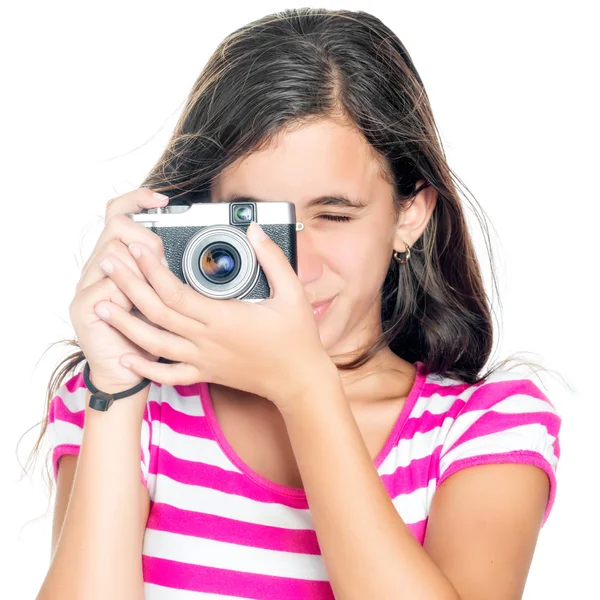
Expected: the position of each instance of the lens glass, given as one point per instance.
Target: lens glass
(243, 213)
(220, 262)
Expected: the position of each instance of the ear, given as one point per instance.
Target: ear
(413, 220)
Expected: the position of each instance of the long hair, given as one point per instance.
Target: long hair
(297, 66)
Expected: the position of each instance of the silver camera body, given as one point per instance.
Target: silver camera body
(206, 246)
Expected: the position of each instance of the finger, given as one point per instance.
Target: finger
(134, 202)
(280, 274)
(104, 289)
(147, 301)
(156, 341)
(93, 273)
(119, 226)
(166, 374)
(173, 293)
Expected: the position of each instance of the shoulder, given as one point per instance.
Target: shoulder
(506, 418)
(509, 408)
(503, 398)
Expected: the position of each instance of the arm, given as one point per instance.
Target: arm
(368, 550)
(97, 552)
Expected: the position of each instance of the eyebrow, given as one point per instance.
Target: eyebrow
(340, 200)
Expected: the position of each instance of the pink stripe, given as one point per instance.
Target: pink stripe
(431, 388)
(418, 530)
(486, 396)
(164, 517)
(172, 574)
(409, 404)
(200, 474)
(525, 457)
(59, 451)
(183, 390)
(414, 476)
(60, 412)
(428, 421)
(495, 422)
(179, 422)
(75, 382)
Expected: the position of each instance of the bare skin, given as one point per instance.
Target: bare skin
(257, 432)
(348, 260)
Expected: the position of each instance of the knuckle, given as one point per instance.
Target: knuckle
(111, 202)
(109, 208)
(113, 246)
(175, 298)
(112, 287)
(157, 348)
(157, 245)
(114, 221)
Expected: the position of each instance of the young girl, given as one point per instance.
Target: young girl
(338, 439)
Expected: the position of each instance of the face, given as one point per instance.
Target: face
(344, 252)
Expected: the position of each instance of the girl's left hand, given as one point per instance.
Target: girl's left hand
(270, 348)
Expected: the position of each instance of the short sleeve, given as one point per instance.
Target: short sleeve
(66, 417)
(506, 419)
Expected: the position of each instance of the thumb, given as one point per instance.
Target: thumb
(280, 273)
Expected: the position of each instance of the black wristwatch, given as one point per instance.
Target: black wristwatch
(103, 400)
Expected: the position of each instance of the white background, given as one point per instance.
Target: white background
(90, 95)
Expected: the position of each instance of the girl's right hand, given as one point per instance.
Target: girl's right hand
(102, 344)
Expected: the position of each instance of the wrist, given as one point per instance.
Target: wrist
(102, 399)
(112, 386)
(134, 404)
(310, 392)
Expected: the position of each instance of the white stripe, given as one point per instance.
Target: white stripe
(188, 405)
(506, 375)
(189, 447)
(414, 507)
(74, 401)
(522, 403)
(231, 506)
(233, 557)
(159, 592)
(534, 437)
(419, 446)
(436, 404)
(517, 404)
(145, 445)
(62, 432)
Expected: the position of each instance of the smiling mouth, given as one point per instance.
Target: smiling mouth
(320, 308)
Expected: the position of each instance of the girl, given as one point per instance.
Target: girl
(339, 438)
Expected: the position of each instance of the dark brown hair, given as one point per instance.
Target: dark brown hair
(291, 68)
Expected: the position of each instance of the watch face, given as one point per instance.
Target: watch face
(101, 401)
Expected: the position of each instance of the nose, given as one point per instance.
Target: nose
(310, 264)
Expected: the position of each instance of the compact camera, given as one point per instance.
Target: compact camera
(206, 246)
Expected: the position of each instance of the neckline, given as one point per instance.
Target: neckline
(299, 493)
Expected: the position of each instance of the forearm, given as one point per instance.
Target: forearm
(368, 550)
(99, 552)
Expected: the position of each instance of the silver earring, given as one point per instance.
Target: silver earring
(402, 257)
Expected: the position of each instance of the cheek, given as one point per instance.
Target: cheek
(363, 266)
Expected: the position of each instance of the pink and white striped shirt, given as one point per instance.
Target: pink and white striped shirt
(217, 529)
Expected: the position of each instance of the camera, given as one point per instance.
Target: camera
(206, 246)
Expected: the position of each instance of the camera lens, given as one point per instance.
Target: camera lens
(219, 263)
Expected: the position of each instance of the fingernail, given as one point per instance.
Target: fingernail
(257, 232)
(134, 250)
(102, 312)
(106, 266)
(164, 261)
(160, 198)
